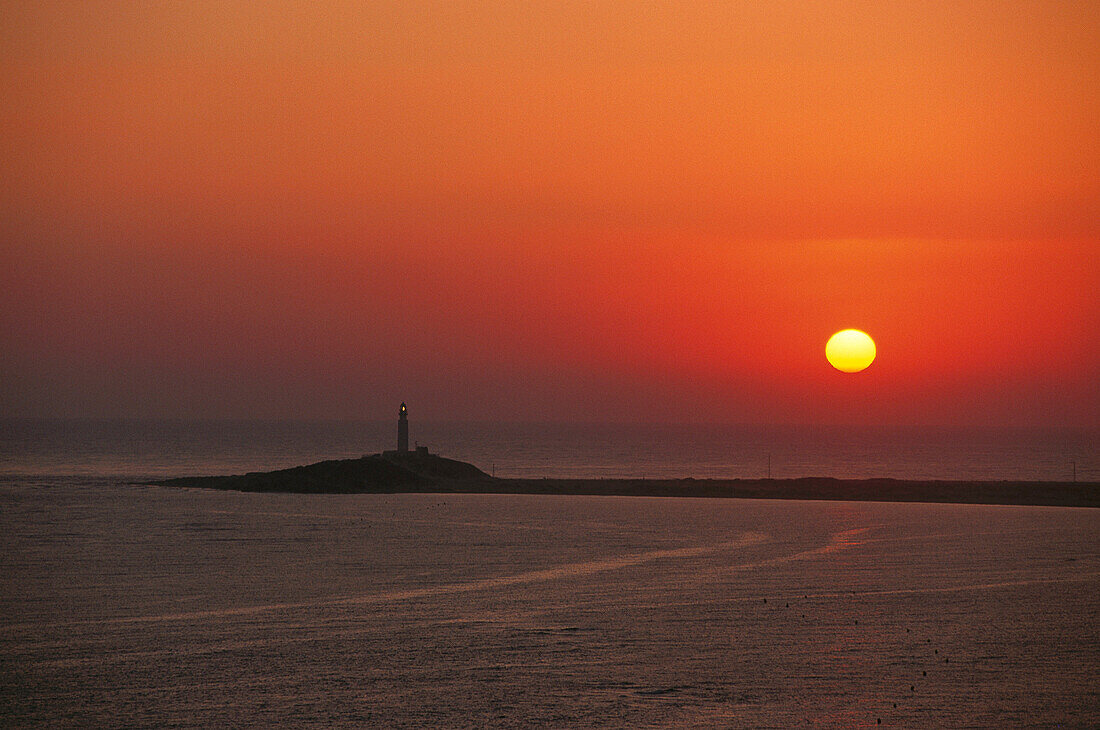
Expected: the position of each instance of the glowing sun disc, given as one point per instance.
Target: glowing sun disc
(850, 351)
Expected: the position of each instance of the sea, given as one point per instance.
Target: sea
(129, 605)
(143, 449)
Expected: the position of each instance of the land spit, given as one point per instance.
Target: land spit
(421, 472)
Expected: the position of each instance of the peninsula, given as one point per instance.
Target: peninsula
(418, 470)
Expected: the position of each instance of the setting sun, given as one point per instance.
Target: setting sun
(850, 351)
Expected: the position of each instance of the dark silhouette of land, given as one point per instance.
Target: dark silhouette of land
(419, 471)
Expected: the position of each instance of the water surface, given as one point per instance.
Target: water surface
(142, 606)
(131, 449)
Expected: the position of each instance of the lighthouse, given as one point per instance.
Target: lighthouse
(403, 430)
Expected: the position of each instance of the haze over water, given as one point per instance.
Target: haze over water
(181, 448)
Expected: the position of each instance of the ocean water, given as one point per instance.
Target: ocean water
(138, 606)
(152, 607)
(169, 448)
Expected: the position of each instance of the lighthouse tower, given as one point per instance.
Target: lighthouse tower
(403, 430)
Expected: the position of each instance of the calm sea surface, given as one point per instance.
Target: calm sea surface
(139, 449)
(123, 605)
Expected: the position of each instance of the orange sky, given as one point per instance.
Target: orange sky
(551, 211)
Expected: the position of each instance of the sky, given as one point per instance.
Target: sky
(559, 211)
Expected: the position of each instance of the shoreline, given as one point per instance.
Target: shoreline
(395, 472)
(1029, 493)
(1019, 493)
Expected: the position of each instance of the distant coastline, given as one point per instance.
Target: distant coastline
(1059, 494)
(410, 473)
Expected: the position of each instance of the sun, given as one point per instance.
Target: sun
(850, 351)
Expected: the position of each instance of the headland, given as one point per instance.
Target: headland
(419, 471)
